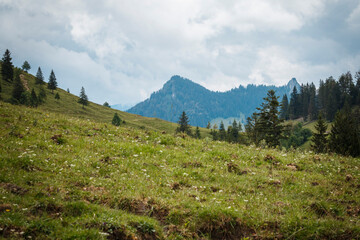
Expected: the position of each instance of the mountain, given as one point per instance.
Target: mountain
(202, 105)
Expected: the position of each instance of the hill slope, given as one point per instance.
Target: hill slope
(67, 104)
(202, 105)
(63, 177)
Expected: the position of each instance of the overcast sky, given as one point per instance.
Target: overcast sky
(121, 51)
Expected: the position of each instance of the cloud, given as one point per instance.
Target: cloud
(121, 51)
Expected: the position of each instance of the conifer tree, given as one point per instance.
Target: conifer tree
(42, 94)
(208, 126)
(116, 120)
(269, 122)
(222, 132)
(68, 90)
(234, 132)
(344, 135)
(319, 137)
(294, 105)
(83, 99)
(52, 84)
(7, 71)
(252, 128)
(284, 112)
(184, 126)
(106, 104)
(57, 96)
(26, 66)
(33, 99)
(197, 133)
(18, 88)
(39, 78)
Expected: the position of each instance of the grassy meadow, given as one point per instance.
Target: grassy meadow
(68, 177)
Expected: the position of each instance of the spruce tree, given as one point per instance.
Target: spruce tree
(106, 104)
(222, 132)
(208, 126)
(26, 66)
(7, 70)
(57, 96)
(116, 120)
(39, 78)
(344, 136)
(184, 126)
(269, 123)
(284, 112)
(319, 137)
(197, 133)
(42, 94)
(83, 99)
(33, 99)
(294, 105)
(52, 84)
(234, 132)
(18, 88)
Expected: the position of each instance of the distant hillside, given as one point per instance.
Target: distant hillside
(202, 105)
(67, 104)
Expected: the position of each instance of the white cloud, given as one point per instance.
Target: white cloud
(354, 18)
(121, 51)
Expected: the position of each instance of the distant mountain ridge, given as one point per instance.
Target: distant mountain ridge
(202, 105)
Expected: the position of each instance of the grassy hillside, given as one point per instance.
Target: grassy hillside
(65, 177)
(67, 104)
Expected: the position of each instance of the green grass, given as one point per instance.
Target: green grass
(69, 177)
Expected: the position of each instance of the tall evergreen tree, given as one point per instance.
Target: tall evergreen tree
(319, 137)
(42, 94)
(83, 99)
(222, 131)
(7, 70)
(294, 105)
(234, 133)
(197, 133)
(52, 84)
(312, 108)
(26, 66)
(252, 128)
(39, 78)
(345, 86)
(106, 104)
(57, 96)
(33, 99)
(18, 88)
(116, 120)
(269, 122)
(344, 135)
(284, 112)
(208, 126)
(184, 126)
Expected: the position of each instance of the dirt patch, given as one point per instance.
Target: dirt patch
(24, 82)
(14, 188)
(292, 167)
(146, 207)
(49, 208)
(5, 208)
(11, 232)
(116, 232)
(225, 228)
(145, 230)
(58, 139)
(192, 164)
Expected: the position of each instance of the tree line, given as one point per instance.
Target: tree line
(330, 97)
(21, 95)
